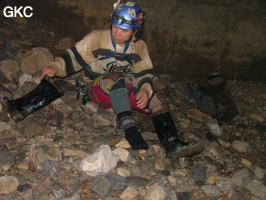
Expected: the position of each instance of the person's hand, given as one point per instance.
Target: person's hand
(50, 71)
(142, 98)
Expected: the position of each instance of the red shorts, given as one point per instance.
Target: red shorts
(104, 101)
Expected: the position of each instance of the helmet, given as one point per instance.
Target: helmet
(128, 15)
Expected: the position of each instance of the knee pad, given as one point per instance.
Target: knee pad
(112, 81)
(114, 76)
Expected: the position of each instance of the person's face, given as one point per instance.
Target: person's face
(120, 35)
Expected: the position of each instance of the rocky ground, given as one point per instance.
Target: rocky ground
(43, 156)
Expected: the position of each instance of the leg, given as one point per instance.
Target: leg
(113, 87)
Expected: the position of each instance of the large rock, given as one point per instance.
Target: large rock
(100, 162)
(37, 59)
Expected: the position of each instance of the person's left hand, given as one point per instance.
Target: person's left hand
(142, 98)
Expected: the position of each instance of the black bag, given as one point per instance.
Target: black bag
(210, 96)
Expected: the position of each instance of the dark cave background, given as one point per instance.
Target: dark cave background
(185, 38)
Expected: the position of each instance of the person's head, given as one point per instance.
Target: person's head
(127, 22)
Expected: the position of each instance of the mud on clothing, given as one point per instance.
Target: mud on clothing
(98, 54)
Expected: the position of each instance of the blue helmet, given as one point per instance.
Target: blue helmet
(128, 15)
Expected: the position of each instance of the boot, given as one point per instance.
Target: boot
(45, 93)
(170, 138)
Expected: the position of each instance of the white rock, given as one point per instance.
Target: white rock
(100, 162)
(24, 78)
(122, 154)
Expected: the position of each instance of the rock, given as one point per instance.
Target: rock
(123, 144)
(32, 128)
(211, 190)
(65, 43)
(199, 175)
(10, 69)
(74, 152)
(4, 127)
(100, 186)
(242, 178)
(259, 173)
(123, 172)
(8, 184)
(58, 190)
(155, 192)
(215, 128)
(224, 184)
(35, 60)
(241, 147)
(122, 154)
(129, 193)
(100, 162)
(50, 168)
(257, 189)
(24, 78)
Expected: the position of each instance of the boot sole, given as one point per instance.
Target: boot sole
(186, 151)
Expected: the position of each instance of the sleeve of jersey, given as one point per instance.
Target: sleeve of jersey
(144, 73)
(77, 58)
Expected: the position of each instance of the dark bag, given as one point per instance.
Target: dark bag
(210, 96)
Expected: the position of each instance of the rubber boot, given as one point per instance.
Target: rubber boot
(170, 138)
(45, 93)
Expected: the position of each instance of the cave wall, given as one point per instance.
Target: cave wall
(195, 37)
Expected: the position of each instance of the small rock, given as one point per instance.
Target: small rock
(8, 184)
(129, 193)
(257, 189)
(241, 147)
(155, 192)
(241, 178)
(32, 128)
(100, 186)
(199, 175)
(215, 128)
(211, 190)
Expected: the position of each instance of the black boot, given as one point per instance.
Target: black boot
(45, 93)
(170, 138)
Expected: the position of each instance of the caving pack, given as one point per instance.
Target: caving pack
(209, 95)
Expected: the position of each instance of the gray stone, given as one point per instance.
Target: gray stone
(100, 186)
(58, 191)
(241, 178)
(50, 168)
(224, 183)
(199, 175)
(211, 190)
(257, 188)
(118, 182)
